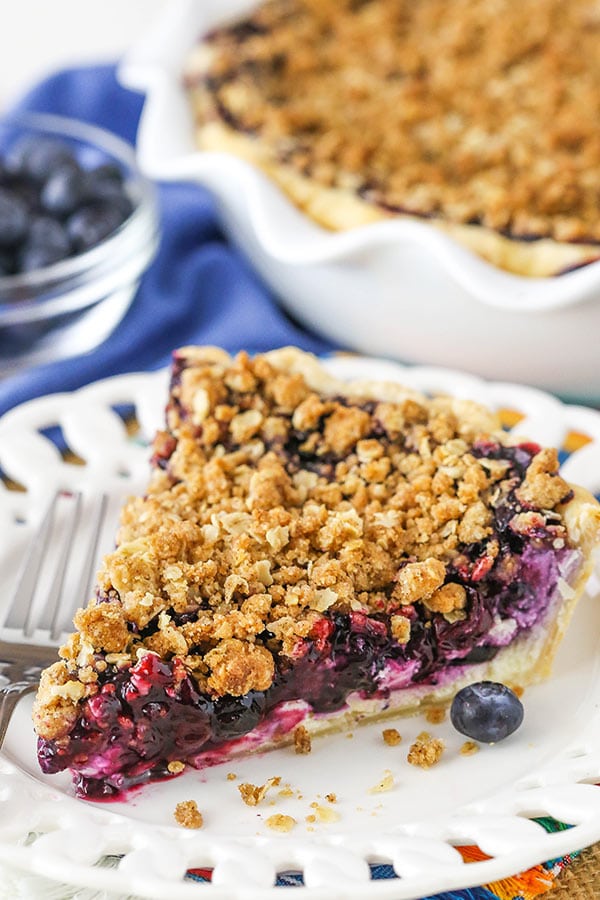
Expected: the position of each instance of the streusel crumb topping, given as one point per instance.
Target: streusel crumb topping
(188, 815)
(391, 736)
(276, 499)
(302, 740)
(253, 794)
(482, 111)
(425, 752)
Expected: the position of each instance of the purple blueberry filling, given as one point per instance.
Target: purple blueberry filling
(152, 713)
(147, 715)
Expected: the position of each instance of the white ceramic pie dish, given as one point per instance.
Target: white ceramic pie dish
(396, 288)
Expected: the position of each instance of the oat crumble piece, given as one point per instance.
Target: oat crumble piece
(425, 752)
(302, 740)
(175, 766)
(253, 794)
(385, 784)
(469, 748)
(436, 715)
(188, 815)
(391, 737)
(279, 822)
(231, 776)
(324, 814)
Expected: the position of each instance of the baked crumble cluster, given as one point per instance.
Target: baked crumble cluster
(426, 751)
(276, 504)
(188, 815)
(483, 112)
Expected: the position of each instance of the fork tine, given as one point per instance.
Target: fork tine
(21, 604)
(52, 605)
(84, 583)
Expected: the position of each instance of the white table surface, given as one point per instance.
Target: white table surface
(39, 36)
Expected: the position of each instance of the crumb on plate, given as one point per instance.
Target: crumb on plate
(385, 784)
(469, 748)
(435, 715)
(425, 752)
(323, 814)
(302, 741)
(252, 794)
(188, 815)
(391, 736)
(279, 822)
(175, 767)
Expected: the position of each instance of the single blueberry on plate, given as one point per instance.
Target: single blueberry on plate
(486, 711)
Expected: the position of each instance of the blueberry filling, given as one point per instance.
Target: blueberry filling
(151, 713)
(145, 715)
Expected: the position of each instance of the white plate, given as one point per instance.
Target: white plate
(395, 288)
(547, 768)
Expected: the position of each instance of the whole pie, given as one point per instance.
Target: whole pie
(309, 552)
(480, 117)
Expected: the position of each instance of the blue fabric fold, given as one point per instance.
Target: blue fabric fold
(198, 290)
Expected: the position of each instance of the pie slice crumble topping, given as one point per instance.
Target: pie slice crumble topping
(309, 552)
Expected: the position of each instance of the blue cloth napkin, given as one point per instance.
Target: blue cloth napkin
(198, 290)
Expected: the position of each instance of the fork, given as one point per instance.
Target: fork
(35, 618)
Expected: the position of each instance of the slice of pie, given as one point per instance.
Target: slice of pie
(309, 551)
(481, 118)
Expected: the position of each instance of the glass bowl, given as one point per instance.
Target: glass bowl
(73, 305)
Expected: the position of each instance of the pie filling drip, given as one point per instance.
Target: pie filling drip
(298, 549)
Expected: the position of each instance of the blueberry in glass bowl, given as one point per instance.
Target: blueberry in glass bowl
(78, 227)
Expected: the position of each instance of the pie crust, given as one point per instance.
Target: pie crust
(313, 552)
(480, 121)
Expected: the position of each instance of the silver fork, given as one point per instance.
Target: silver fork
(36, 618)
